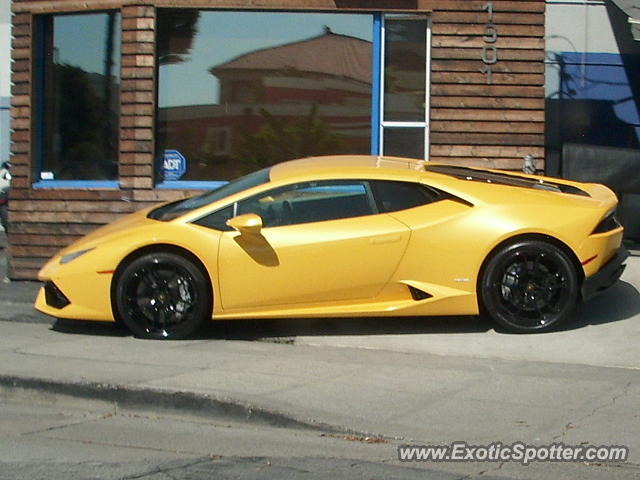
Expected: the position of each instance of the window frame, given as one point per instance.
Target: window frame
(425, 125)
(207, 184)
(42, 22)
(378, 123)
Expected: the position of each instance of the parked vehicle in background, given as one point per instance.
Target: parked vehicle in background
(5, 184)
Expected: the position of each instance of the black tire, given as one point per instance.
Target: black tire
(162, 296)
(529, 286)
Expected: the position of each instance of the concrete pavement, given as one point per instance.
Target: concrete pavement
(419, 380)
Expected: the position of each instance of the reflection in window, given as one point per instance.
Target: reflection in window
(405, 64)
(300, 203)
(78, 100)
(242, 90)
(310, 202)
(176, 209)
(404, 142)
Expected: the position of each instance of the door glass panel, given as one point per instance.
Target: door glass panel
(405, 65)
(404, 142)
(310, 202)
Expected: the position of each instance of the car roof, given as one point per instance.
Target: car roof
(347, 166)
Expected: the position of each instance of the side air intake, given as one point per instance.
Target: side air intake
(418, 294)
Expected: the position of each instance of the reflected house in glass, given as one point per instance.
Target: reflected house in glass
(309, 97)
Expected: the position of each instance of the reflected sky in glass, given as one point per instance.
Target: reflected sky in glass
(79, 37)
(223, 36)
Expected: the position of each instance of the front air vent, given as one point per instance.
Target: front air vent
(418, 294)
(54, 296)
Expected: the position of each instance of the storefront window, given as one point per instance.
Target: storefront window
(238, 91)
(77, 67)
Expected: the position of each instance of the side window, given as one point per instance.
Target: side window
(217, 220)
(301, 203)
(311, 202)
(393, 196)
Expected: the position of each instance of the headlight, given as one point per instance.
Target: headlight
(73, 255)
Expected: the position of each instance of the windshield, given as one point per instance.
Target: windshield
(180, 207)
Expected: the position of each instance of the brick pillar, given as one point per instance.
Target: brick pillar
(137, 101)
(21, 263)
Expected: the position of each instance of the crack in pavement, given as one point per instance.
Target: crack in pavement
(166, 470)
(571, 425)
(67, 425)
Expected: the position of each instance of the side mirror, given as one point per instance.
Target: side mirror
(247, 224)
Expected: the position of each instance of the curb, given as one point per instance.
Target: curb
(203, 405)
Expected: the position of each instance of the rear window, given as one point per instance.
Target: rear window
(392, 196)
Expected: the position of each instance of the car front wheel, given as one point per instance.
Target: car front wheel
(529, 286)
(162, 296)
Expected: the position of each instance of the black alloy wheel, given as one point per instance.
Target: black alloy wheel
(529, 286)
(163, 296)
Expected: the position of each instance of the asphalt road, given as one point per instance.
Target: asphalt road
(54, 442)
(45, 441)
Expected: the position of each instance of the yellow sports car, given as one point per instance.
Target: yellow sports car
(347, 236)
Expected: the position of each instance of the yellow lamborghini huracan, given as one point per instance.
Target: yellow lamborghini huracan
(347, 236)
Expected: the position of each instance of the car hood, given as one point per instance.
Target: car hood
(111, 231)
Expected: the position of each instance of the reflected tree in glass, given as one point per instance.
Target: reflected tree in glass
(278, 140)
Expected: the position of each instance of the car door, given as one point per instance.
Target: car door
(321, 242)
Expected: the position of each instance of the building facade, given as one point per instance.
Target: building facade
(118, 104)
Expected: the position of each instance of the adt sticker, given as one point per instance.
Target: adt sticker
(173, 165)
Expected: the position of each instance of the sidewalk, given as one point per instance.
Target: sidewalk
(17, 298)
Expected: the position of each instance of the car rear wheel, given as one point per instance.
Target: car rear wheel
(162, 296)
(529, 286)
